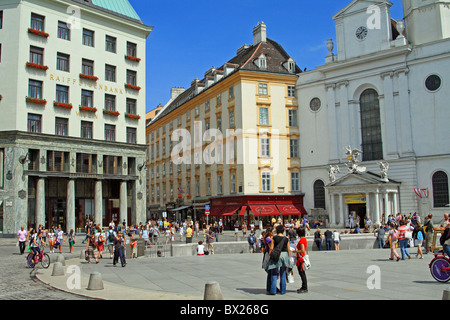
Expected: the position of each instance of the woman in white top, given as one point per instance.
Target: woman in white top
(59, 238)
(337, 240)
(200, 249)
(51, 239)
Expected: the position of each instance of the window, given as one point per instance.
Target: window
(264, 116)
(86, 163)
(37, 22)
(219, 99)
(110, 102)
(440, 189)
(293, 148)
(87, 98)
(265, 147)
(86, 129)
(319, 194)
(295, 181)
(233, 183)
(88, 38)
(131, 106)
(62, 127)
(58, 161)
(131, 135)
(131, 49)
(207, 105)
(1, 24)
(197, 188)
(219, 185)
(35, 89)
(110, 73)
(110, 44)
(231, 114)
(263, 89)
(62, 94)
(231, 93)
(219, 122)
(37, 55)
(372, 146)
(112, 164)
(208, 185)
(292, 114)
(62, 62)
(87, 67)
(2, 152)
(291, 91)
(34, 123)
(197, 111)
(63, 31)
(131, 77)
(110, 132)
(265, 181)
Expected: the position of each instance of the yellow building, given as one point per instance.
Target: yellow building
(230, 141)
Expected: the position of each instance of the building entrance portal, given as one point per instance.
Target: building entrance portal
(358, 210)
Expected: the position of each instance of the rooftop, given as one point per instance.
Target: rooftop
(122, 8)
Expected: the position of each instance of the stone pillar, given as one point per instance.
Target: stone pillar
(332, 210)
(387, 107)
(344, 115)
(377, 206)
(341, 209)
(396, 202)
(40, 202)
(332, 133)
(98, 216)
(123, 201)
(405, 111)
(70, 206)
(386, 204)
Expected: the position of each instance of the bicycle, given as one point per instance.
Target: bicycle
(33, 259)
(440, 267)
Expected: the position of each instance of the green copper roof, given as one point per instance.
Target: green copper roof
(122, 7)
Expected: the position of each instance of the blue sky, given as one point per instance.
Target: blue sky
(191, 36)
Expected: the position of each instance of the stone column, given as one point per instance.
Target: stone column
(332, 133)
(98, 217)
(123, 201)
(386, 204)
(377, 206)
(405, 111)
(387, 108)
(332, 210)
(341, 209)
(40, 202)
(70, 206)
(396, 202)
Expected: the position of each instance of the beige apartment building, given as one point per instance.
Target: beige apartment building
(230, 142)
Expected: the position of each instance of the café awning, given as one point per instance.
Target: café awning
(291, 209)
(264, 210)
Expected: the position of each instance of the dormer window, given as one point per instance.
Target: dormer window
(261, 62)
(289, 65)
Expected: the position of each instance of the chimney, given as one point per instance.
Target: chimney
(259, 33)
(175, 92)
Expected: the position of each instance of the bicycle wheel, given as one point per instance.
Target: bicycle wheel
(45, 262)
(437, 272)
(30, 260)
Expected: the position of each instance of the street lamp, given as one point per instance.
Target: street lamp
(260, 221)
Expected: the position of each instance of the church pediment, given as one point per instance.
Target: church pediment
(361, 178)
(358, 6)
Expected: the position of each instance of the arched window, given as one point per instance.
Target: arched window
(440, 189)
(372, 145)
(319, 194)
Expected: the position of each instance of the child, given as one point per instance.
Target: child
(200, 249)
(134, 247)
(71, 238)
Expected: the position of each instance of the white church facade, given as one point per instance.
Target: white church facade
(384, 94)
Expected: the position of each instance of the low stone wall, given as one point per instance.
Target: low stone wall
(348, 242)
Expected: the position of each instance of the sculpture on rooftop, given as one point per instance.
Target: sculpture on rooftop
(352, 157)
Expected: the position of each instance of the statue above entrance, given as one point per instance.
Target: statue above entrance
(384, 167)
(352, 157)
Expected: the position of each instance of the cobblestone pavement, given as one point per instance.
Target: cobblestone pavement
(18, 281)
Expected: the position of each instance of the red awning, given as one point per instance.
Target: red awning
(264, 210)
(291, 209)
(216, 210)
(229, 210)
(243, 209)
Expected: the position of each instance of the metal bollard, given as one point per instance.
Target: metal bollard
(58, 269)
(95, 281)
(212, 291)
(83, 255)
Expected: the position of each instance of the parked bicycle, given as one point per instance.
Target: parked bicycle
(440, 267)
(33, 259)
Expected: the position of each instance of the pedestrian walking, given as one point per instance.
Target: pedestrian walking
(119, 249)
(110, 239)
(393, 240)
(22, 237)
(418, 236)
(100, 237)
(336, 240)
(252, 242)
(189, 234)
(59, 238)
(403, 239)
(134, 248)
(429, 230)
(380, 234)
(51, 236)
(71, 238)
(267, 244)
(91, 248)
(280, 264)
(210, 236)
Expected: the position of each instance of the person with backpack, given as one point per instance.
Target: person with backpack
(393, 240)
(110, 238)
(252, 242)
(418, 236)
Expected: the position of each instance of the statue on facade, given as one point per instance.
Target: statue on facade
(384, 167)
(333, 171)
(352, 157)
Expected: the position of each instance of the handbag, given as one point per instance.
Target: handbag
(265, 261)
(306, 262)
(408, 234)
(275, 254)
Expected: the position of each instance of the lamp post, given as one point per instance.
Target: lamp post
(260, 221)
